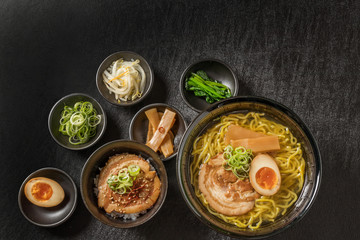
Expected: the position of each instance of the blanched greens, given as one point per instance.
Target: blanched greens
(203, 86)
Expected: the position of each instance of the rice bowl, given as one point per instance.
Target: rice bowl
(90, 183)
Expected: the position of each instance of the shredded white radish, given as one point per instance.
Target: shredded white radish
(126, 79)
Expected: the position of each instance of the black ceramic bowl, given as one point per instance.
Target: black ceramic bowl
(276, 112)
(53, 216)
(55, 115)
(127, 56)
(215, 69)
(98, 160)
(139, 126)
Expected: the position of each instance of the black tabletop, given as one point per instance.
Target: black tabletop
(304, 54)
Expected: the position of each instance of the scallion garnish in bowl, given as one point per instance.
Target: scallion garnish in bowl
(238, 160)
(79, 122)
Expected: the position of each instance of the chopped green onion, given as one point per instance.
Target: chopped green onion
(238, 161)
(134, 170)
(86, 108)
(122, 190)
(124, 180)
(124, 177)
(79, 122)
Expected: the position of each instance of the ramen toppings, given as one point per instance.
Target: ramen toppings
(127, 185)
(238, 167)
(224, 191)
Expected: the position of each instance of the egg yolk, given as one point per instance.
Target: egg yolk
(41, 191)
(266, 178)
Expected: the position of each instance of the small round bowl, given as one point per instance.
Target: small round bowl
(139, 126)
(276, 112)
(215, 69)
(127, 56)
(53, 216)
(54, 124)
(98, 160)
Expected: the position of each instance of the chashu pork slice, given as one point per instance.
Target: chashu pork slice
(146, 186)
(224, 192)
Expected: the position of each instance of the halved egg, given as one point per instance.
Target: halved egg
(44, 192)
(265, 175)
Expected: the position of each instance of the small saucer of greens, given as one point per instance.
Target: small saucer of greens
(203, 86)
(207, 81)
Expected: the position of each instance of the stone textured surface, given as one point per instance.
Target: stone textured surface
(304, 54)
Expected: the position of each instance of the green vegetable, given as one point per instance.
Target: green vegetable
(238, 161)
(203, 86)
(123, 182)
(134, 170)
(79, 122)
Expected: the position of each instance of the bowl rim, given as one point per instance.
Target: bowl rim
(89, 143)
(155, 105)
(72, 208)
(81, 184)
(130, 103)
(184, 73)
(296, 119)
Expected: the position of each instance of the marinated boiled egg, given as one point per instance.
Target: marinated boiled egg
(44, 192)
(265, 175)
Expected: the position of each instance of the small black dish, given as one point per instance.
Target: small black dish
(53, 216)
(55, 115)
(127, 56)
(215, 69)
(139, 126)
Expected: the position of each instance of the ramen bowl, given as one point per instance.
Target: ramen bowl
(276, 112)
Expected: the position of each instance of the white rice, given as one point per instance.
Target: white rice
(132, 216)
(151, 166)
(96, 181)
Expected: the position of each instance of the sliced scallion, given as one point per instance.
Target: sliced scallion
(79, 122)
(238, 160)
(134, 170)
(124, 180)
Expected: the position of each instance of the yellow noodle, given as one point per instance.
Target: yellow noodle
(289, 159)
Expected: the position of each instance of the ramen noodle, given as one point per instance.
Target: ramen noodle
(289, 160)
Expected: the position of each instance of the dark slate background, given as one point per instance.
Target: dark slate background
(304, 54)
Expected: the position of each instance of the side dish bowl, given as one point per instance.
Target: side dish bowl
(215, 69)
(127, 56)
(52, 216)
(139, 126)
(279, 113)
(98, 159)
(55, 115)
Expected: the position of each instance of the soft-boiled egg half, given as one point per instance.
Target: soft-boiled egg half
(44, 192)
(265, 175)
